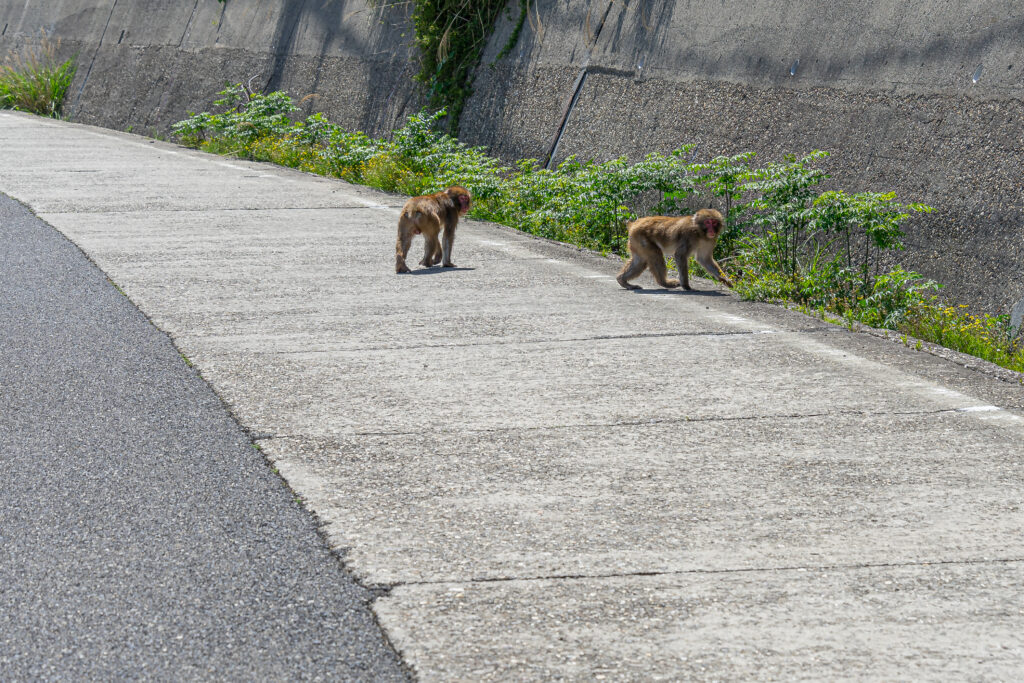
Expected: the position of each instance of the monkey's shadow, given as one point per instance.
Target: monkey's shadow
(434, 270)
(680, 292)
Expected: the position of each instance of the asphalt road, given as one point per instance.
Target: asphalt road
(142, 536)
(542, 475)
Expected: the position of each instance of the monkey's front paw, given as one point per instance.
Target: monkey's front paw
(448, 265)
(402, 269)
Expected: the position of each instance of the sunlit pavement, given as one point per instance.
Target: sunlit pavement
(546, 476)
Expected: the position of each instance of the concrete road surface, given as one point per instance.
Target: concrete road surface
(547, 476)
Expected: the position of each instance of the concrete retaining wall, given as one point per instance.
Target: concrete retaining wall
(143, 64)
(887, 87)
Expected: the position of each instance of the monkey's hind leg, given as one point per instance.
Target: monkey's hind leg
(431, 250)
(402, 250)
(658, 271)
(631, 270)
(447, 242)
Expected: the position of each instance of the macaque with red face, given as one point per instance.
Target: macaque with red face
(426, 216)
(652, 237)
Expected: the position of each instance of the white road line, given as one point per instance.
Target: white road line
(979, 409)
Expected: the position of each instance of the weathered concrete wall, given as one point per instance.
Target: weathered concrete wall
(886, 87)
(143, 64)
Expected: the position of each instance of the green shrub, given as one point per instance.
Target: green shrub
(247, 117)
(824, 251)
(36, 82)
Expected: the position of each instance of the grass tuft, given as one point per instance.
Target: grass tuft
(36, 81)
(989, 337)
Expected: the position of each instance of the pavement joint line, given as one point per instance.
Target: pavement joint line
(524, 342)
(654, 421)
(712, 572)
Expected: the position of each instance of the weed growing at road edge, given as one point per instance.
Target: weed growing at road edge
(989, 337)
(36, 81)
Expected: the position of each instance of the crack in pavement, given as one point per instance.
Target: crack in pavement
(639, 423)
(522, 342)
(712, 572)
(669, 420)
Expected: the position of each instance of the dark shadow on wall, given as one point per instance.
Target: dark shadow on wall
(385, 58)
(657, 28)
(284, 39)
(648, 32)
(394, 95)
(648, 28)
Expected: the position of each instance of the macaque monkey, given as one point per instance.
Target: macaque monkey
(651, 237)
(426, 216)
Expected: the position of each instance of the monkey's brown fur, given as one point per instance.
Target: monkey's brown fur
(651, 237)
(426, 216)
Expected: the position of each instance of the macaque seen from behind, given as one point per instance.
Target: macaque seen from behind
(426, 216)
(652, 237)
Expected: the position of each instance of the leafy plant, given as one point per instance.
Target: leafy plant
(36, 81)
(727, 178)
(247, 117)
(878, 215)
(895, 298)
(783, 208)
(825, 251)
